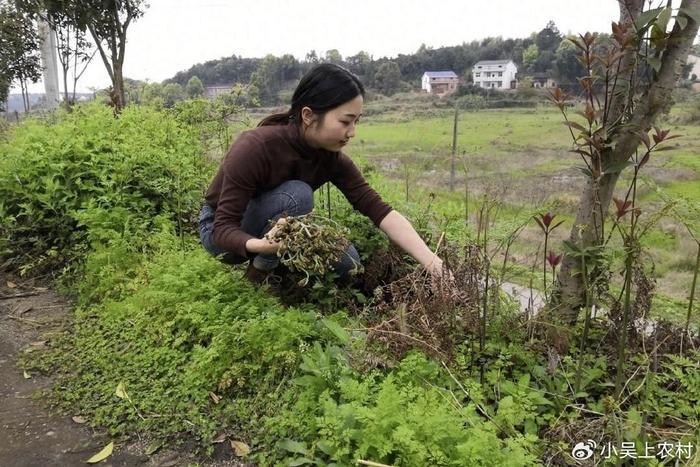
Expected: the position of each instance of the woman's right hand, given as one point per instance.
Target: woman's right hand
(266, 245)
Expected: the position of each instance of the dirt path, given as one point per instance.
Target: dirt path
(31, 434)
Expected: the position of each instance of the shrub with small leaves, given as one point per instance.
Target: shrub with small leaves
(144, 163)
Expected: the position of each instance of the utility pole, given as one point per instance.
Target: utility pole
(454, 150)
(49, 64)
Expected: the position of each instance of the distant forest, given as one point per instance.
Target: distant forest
(544, 52)
(547, 52)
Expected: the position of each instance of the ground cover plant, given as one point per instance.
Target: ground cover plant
(169, 344)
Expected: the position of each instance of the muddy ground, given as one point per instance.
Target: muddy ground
(32, 434)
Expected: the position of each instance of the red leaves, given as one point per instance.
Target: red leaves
(658, 136)
(584, 42)
(662, 135)
(558, 98)
(545, 222)
(590, 113)
(623, 34)
(623, 207)
(554, 259)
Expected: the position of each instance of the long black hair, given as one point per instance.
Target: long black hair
(324, 88)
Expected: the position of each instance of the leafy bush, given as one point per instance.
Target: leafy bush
(471, 102)
(470, 89)
(182, 327)
(144, 163)
(339, 416)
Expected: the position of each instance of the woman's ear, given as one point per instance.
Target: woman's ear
(307, 116)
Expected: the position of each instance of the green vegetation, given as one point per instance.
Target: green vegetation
(169, 343)
(521, 156)
(62, 184)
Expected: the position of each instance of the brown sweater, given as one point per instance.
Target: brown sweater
(265, 157)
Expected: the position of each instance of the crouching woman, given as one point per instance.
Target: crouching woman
(272, 171)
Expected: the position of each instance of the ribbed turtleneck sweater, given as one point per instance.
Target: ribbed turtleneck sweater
(265, 157)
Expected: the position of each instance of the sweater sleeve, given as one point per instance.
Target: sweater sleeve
(347, 177)
(245, 167)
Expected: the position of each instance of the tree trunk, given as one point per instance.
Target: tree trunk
(66, 99)
(568, 299)
(25, 94)
(118, 84)
(570, 295)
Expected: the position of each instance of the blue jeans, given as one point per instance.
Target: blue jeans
(292, 198)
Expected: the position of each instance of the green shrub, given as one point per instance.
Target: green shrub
(143, 163)
(182, 327)
(339, 416)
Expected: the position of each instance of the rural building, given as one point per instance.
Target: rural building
(440, 82)
(494, 74)
(211, 92)
(539, 81)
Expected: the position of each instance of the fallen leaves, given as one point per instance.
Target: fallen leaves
(121, 393)
(78, 419)
(240, 448)
(102, 455)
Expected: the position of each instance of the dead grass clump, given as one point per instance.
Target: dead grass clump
(434, 315)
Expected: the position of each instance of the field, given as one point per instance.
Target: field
(523, 157)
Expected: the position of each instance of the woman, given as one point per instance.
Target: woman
(272, 171)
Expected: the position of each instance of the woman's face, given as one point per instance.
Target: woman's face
(334, 130)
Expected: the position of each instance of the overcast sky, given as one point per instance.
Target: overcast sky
(176, 34)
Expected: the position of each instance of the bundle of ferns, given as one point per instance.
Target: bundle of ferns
(311, 244)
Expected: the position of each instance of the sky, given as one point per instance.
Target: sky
(176, 34)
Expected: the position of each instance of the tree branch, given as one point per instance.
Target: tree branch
(105, 60)
(658, 97)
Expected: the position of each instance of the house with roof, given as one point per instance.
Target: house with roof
(498, 74)
(539, 80)
(439, 82)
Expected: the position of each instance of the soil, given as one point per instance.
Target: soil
(35, 435)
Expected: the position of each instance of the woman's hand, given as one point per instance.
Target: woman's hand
(271, 233)
(266, 245)
(436, 269)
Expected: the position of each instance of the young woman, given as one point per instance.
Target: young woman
(272, 171)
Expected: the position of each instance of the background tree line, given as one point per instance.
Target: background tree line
(547, 52)
(265, 80)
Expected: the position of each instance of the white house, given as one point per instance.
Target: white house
(498, 74)
(439, 82)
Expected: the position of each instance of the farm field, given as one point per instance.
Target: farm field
(522, 156)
